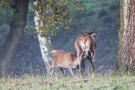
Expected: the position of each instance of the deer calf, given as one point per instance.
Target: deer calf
(64, 60)
(85, 46)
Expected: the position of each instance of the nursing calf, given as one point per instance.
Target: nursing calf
(64, 60)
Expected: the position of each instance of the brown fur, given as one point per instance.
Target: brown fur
(64, 60)
(85, 46)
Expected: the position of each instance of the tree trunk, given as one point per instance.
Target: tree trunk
(13, 41)
(45, 42)
(126, 46)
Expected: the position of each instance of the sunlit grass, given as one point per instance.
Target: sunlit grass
(90, 82)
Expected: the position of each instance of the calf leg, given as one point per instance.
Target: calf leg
(51, 67)
(71, 71)
(61, 69)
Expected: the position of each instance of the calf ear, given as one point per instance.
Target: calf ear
(53, 51)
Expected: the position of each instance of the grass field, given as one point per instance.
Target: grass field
(98, 82)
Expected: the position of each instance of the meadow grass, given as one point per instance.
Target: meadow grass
(91, 82)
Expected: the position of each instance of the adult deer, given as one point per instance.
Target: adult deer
(85, 46)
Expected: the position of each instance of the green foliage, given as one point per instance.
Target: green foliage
(56, 15)
(4, 3)
(6, 13)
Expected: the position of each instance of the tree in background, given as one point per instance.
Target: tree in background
(15, 36)
(45, 42)
(50, 15)
(126, 46)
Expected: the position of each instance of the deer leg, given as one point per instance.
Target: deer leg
(83, 67)
(93, 62)
(71, 71)
(79, 64)
(91, 59)
(92, 66)
(51, 67)
(79, 57)
(80, 69)
(61, 69)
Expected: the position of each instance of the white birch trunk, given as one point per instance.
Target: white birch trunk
(45, 42)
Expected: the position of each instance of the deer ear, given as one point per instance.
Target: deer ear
(93, 33)
(84, 32)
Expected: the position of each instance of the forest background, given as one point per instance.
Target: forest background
(97, 14)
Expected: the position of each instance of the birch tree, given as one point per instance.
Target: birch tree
(45, 42)
(50, 17)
